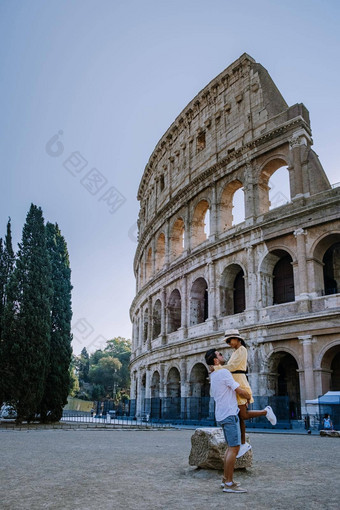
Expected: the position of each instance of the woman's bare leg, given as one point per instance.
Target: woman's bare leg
(244, 414)
(243, 429)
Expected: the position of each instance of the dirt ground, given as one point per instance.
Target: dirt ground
(131, 469)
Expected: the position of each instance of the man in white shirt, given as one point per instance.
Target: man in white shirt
(223, 389)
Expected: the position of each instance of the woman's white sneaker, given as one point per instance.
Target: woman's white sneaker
(244, 448)
(270, 415)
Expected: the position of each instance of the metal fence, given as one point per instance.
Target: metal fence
(197, 411)
(284, 410)
(110, 419)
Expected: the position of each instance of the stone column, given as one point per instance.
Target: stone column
(184, 301)
(309, 387)
(139, 394)
(302, 263)
(150, 324)
(184, 389)
(147, 400)
(213, 214)
(212, 295)
(249, 199)
(187, 232)
(140, 337)
(162, 381)
(163, 318)
(299, 145)
(167, 244)
(153, 263)
(251, 287)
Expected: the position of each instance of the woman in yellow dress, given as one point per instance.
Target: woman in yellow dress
(237, 365)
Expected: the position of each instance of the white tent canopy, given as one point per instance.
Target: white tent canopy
(331, 397)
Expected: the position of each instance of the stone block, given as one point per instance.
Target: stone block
(330, 433)
(208, 447)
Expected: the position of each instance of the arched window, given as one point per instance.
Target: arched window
(174, 311)
(177, 238)
(283, 282)
(330, 369)
(331, 269)
(275, 192)
(199, 223)
(199, 382)
(155, 384)
(232, 209)
(173, 387)
(279, 188)
(148, 265)
(239, 294)
(232, 290)
(198, 301)
(284, 381)
(160, 251)
(156, 322)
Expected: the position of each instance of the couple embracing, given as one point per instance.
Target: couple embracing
(232, 394)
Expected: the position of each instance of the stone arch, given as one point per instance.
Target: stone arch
(173, 383)
(155, 384)
(199, 301)
(321, 270)
(227, 204)
(177, 238)
(174, 309)
(330, 368)
(232, 290)
(266, 172)
(148, 265)
(156, 319)
(277, 278)
(160, 251)
(284, 381)
(199, 391)
(198, 223)
(199, 381)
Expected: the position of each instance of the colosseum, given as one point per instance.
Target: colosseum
(272, 272)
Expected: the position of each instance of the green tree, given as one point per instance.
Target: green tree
(106, 373)
(120, 348)
(27, 319)
(58, 381)
(83, 365)
(7, 259)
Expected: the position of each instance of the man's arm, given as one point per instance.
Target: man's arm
(242, 393)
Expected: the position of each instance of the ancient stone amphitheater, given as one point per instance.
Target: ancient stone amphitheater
(273, 273)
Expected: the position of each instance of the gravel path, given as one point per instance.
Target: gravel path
(137, 470)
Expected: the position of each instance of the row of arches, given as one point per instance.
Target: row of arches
(230, 210)
(277, 287)
(281, 386)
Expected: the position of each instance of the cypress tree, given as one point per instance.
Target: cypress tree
(58, 378)
(7, 258)
(27, 320)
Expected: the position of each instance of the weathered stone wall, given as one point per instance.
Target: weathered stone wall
(234, 135)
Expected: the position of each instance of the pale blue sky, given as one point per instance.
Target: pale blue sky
(112, 76)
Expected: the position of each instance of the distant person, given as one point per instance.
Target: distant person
(327, 422)
(237, 365)
(223, 388)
